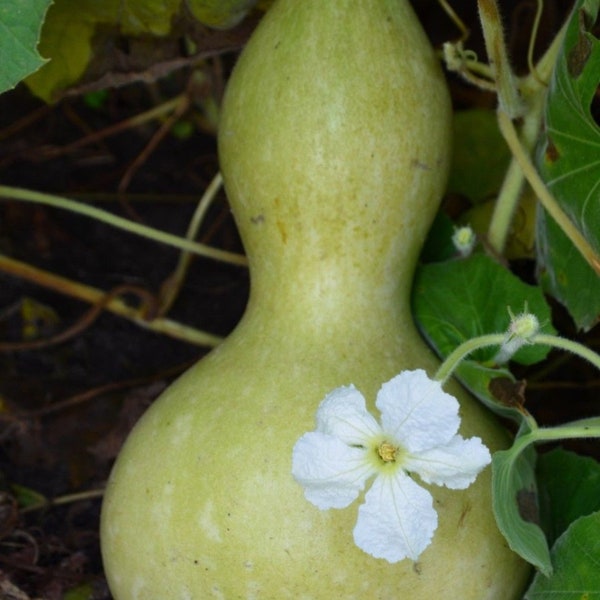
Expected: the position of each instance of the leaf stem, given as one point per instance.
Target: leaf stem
(463, 350)
(514, 180)
(114, 304)
(66, 499)
(520, 153)
(175, 281)
(569, 346)
(533, 38)
(508, 92)
(568, 431)
(586, 428)
(533, 89)
(157, 235)
(155, 112)
(498, 339)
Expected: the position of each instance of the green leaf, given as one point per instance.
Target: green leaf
(480, 157)
(20, 25)
(515, 504)
(569, 488)
(576, 559)
(460, 299)
(96, 100)
(28, 498)
(438, 245)
(569, 162)
(456, 300)
(565, 274)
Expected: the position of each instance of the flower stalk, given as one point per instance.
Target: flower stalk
(523, 330)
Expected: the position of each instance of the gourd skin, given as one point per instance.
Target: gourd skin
(334, 145)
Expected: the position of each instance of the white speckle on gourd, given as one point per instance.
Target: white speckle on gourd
(138, 588)
(206, 521)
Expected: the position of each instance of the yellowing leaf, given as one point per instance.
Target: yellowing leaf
(67, 41)
(70, 27)
(521, 237)
(36, 318)
(68, 34)
(220, 14)
(148, 16)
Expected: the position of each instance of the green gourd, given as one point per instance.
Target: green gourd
(334, 144)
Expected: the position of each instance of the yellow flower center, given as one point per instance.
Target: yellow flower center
(387, 452)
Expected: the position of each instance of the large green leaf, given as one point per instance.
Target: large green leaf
(20, 25)
(569, 488)
(569, 163)
(576, 559)
(460, 299)
(517, 495)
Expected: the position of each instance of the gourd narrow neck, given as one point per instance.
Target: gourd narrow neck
(329, 305)
(334, 144)
(335, 259)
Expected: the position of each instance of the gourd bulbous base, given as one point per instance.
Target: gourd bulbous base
(202, 504)
(334, 143)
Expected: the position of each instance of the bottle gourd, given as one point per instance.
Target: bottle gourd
(334, 144)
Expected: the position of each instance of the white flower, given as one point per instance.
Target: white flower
(417, 435)
(464, 239)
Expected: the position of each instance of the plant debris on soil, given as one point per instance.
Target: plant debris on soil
(66, 406)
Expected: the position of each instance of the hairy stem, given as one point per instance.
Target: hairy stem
(461, 352)
(175, 281)
(533, 89)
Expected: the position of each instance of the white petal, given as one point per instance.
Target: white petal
(397, 520)
(455, 465)
(417, 412)
(331, 472)
(343, 414)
